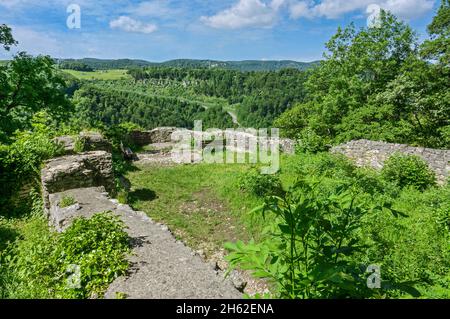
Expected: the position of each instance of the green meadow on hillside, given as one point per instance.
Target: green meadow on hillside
(99, 74)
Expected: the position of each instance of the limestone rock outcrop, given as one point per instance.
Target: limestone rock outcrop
(94, 141)
(67, 142)
(62, 217)
(157, 135)
(88, 141)
(91, 169)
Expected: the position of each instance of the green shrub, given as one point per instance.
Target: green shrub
(311, 247)
(20, 162)
(320, 165)
(120, 134)
(415, 248)
(122, 197)
(408, 170)
(330, 165)
(67, 201)
(41, 263)
(80, 144)
(98, 246)
(26, 266)
(310, 142)
(259, 184)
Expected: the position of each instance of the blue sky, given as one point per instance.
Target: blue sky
(159, 30)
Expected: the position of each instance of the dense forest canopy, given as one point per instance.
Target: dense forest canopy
(379, 83)
(260, 96)
(243, 66)
(95, 104)
(104, 64)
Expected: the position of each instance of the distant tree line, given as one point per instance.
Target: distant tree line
(77, 66)
(243, 66)
(100, 64)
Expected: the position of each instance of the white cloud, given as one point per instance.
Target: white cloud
(332, 9)
(155, 8)
(130, 25)
(265, 13)
(277, 4)
(408, 9)
(300, 9)
(246, 13)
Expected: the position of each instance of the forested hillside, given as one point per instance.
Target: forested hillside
(102, 64)
(243, 66)
(260, 97)
(112, 106)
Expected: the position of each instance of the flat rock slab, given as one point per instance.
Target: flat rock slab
(165, 268)
(89, 201)
(90, 169)
(161, 266)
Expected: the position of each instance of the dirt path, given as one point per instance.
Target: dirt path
(161, 266)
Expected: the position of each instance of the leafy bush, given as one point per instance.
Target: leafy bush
(97, 246)
(326, 165)
(20, 162)
(407, 170)
(79, 145)
(120, 134)
(259, 184)
(25, 265)
(42, 263)
(122, 197)
(405, 231)
(310, 141)
(310, 248)
(416, 248)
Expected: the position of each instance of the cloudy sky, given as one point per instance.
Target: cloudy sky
(159, 30)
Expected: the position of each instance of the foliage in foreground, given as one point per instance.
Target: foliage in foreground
(20, 163)
(406, 170)
(338, 220)
(310, 245)
(258, 184)
(43, 264)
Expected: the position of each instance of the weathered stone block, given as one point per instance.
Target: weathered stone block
(88, 201)
(140, 138)
(162, 134)
(91, 169)
(94, 141)
(67, 142)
